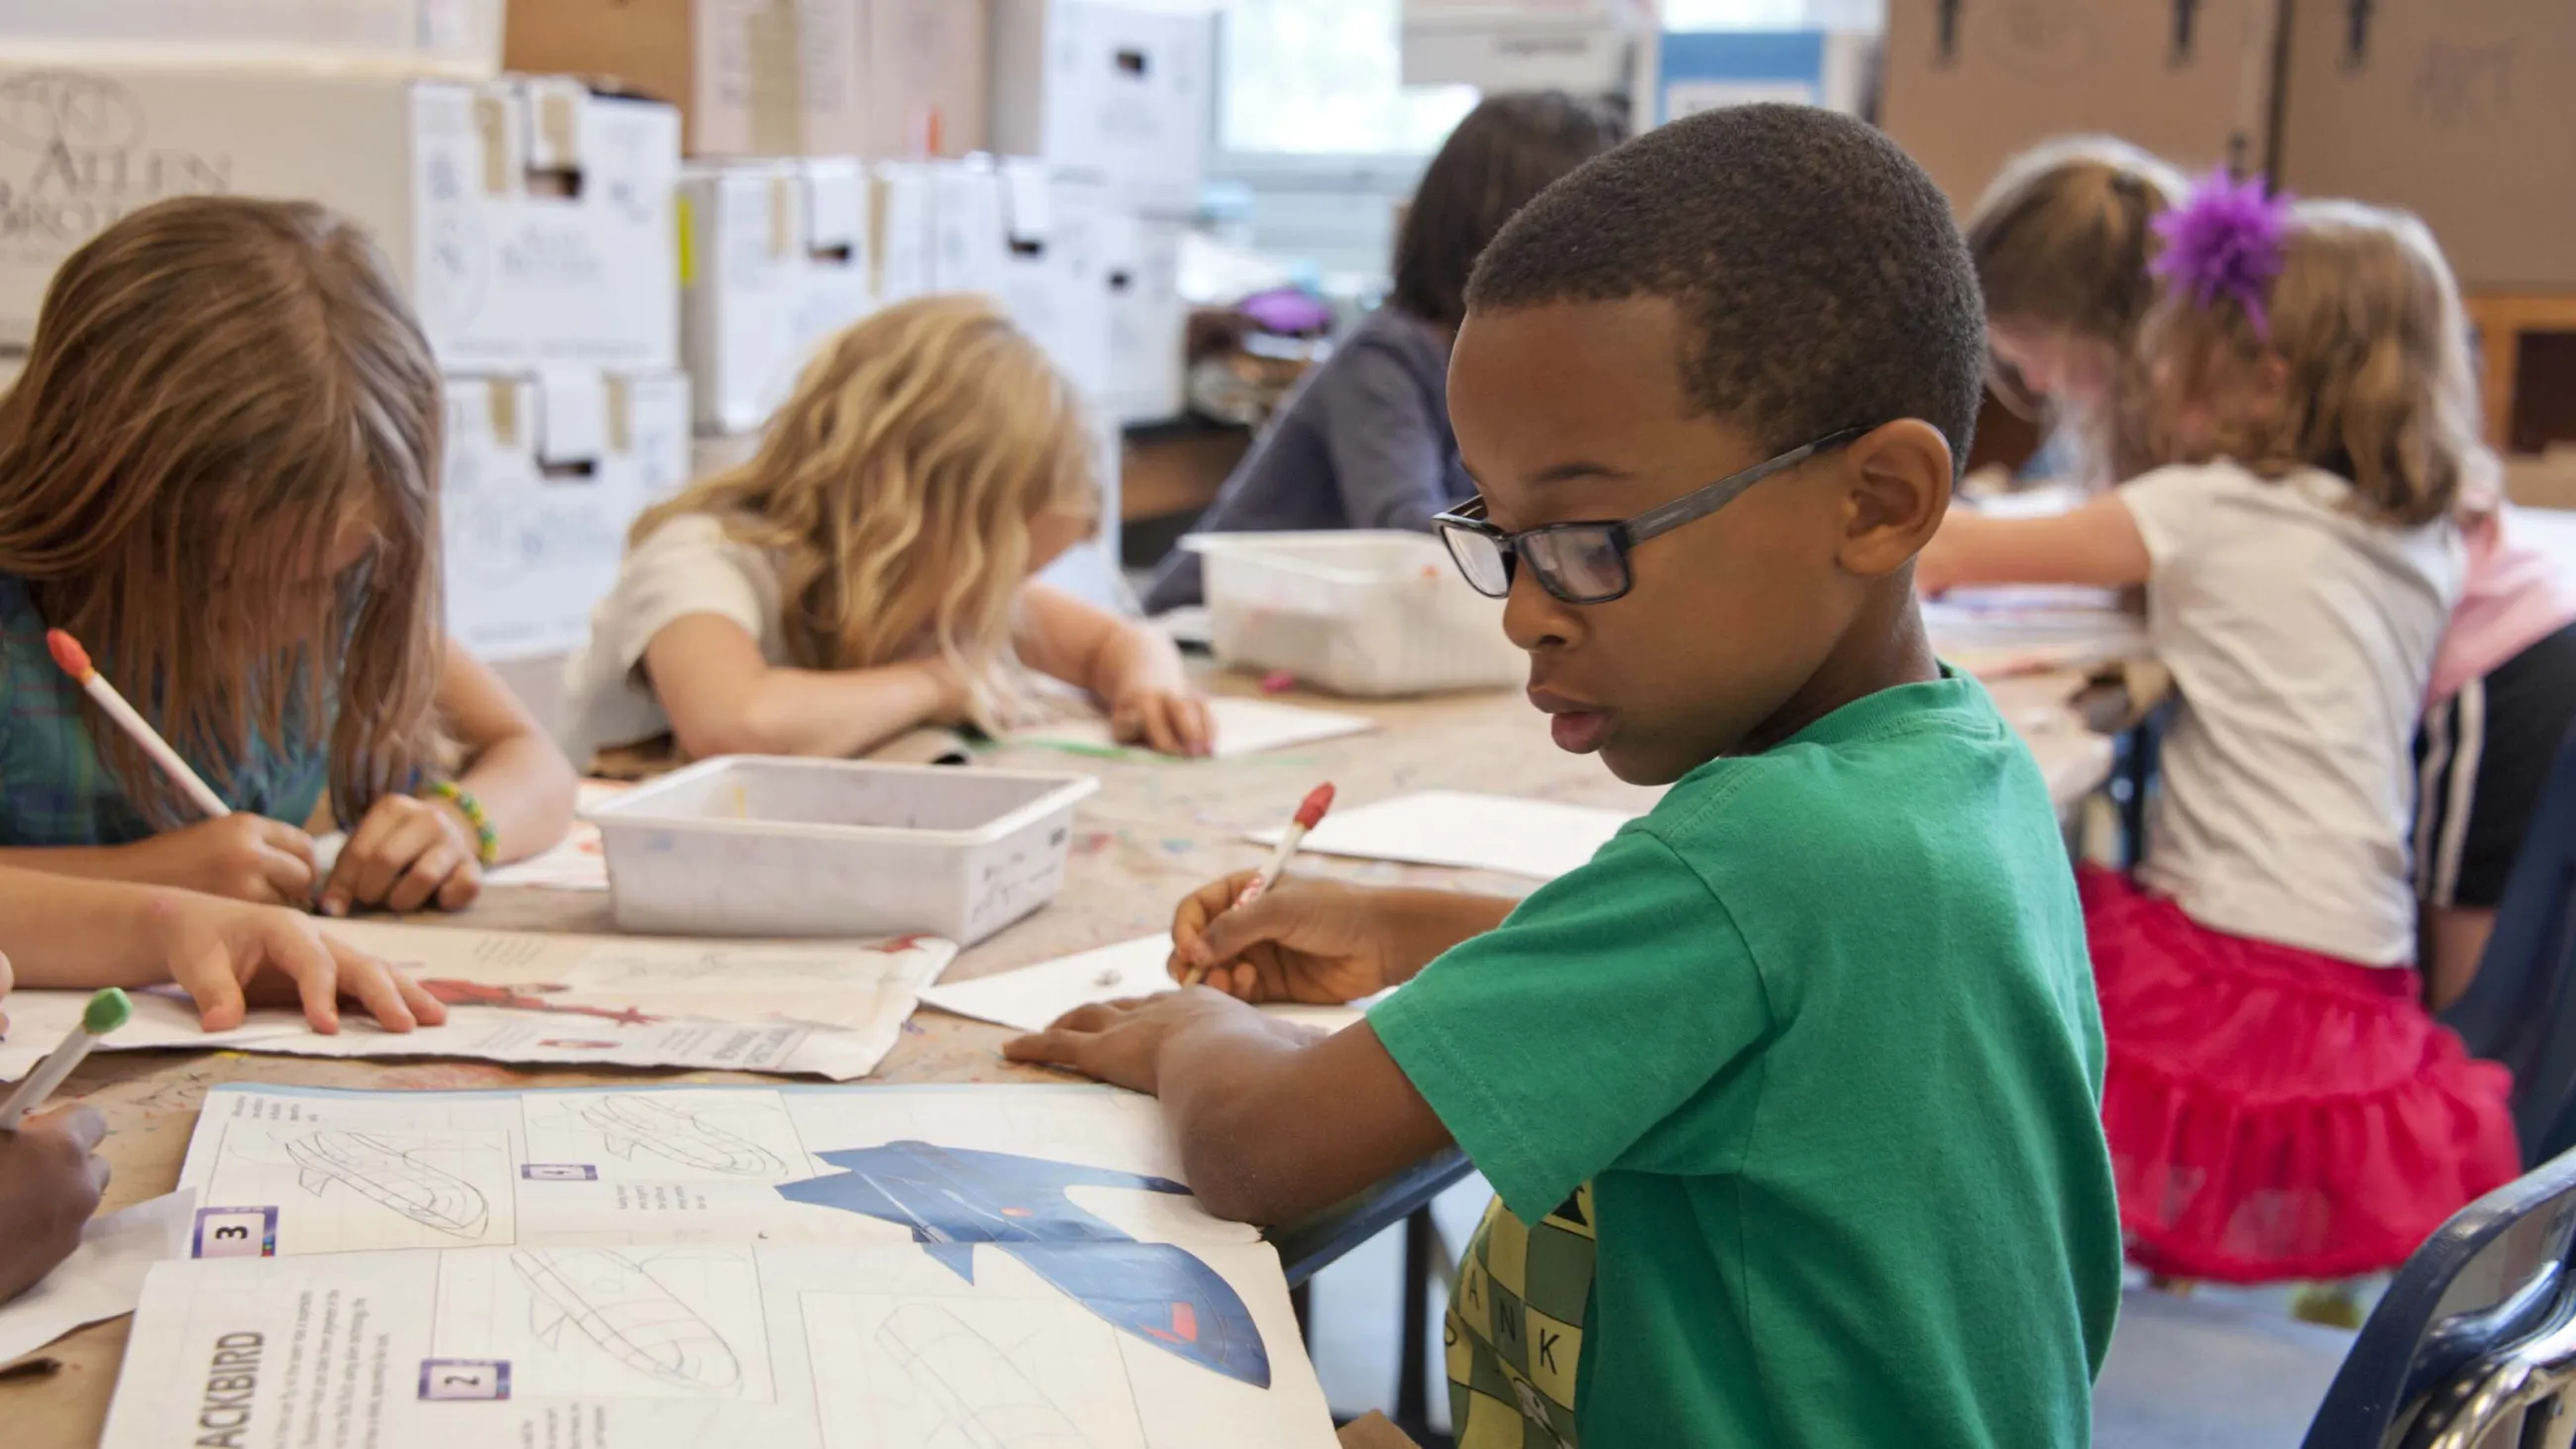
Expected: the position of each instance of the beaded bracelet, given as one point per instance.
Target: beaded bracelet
(487, 841)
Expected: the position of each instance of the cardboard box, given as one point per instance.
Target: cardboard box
(1684, 72)
(774, 258)
(883, 78)
(2461, 112)
(529, 221)
(1119, 89)
(454, 38)
(1148, 321)
(545, 472)
(1967, 86)
(1584, 46)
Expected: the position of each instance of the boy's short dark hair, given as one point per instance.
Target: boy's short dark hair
(1819, 273)
(1506, 151)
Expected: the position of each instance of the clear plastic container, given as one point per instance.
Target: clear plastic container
(1361, 612)
(756, 846)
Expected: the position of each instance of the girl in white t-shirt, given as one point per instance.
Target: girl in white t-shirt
(870, 569)
(2279, 1103)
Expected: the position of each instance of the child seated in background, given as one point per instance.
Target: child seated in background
(2279, 1104)
(1790, 1095)
(218, 472)
(871, 568)
(86, 934)
(1364, 441)
(2061, 242)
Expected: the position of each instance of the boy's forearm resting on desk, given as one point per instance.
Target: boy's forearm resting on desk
(1274, 1123)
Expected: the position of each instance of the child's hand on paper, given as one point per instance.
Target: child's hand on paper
(1305, 940)
(1168, 719)
(244, 856)
(407, 853)
(1121, 1042)
(225, 954)
(50, 1181)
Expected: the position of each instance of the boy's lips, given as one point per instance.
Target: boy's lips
(1578, 726)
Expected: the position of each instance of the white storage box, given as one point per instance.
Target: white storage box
(1118, 89)
(755, 846)
(529, 221)
(544, 474)
(1148, 321)
(1361, 611)
(774, 259)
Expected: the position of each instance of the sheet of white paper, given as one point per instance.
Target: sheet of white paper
(1476, 832)
(659, 1346)
(926, 1266)
(1243, 727)
(103, 1278)
(599, 1000)
(1031, 998)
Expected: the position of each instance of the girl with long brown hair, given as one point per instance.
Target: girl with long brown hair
(2279, 1103)
(870, 569)
(219, 473)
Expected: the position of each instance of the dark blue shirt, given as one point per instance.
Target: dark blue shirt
(1363, 442)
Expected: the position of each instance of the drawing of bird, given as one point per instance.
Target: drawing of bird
(955, 1198)
(613, 1301)
(375, 1168)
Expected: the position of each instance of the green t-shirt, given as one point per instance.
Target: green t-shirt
(1796, 1087)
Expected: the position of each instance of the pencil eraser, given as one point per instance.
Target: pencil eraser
(1318, 800)
(69, 654)
(106, 1011)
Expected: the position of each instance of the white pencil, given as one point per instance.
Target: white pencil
(107, 1011)
(68, 653)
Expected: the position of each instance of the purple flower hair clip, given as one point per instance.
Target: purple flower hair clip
(2226, 240)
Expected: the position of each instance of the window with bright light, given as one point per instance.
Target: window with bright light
(1319, 77)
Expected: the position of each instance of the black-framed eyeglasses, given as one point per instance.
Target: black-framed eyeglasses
(1587, 563)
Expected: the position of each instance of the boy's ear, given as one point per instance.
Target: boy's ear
(1899, 487)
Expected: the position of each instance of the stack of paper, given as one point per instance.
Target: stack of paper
(658, 1269)
(827, 1010)
(1996, 633)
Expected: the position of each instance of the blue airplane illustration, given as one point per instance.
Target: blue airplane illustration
(954, 1198)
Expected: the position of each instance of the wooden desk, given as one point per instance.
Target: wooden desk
(1154, 831)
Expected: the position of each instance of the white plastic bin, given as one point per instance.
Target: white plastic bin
(1360, 611)
(756, 846)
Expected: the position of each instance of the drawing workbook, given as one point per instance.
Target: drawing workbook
(587, 1000)
(996, 1267)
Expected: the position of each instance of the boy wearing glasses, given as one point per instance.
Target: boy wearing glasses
(1790, 1095)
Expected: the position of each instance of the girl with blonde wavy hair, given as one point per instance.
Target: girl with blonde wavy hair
(2279, 1103)
(219, 473)
(870, 569)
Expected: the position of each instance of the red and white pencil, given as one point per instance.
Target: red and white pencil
(74, 660)
(1310, 813)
